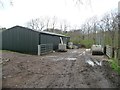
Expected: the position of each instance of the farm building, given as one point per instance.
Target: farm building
(25, 40)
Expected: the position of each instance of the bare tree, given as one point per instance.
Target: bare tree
(32, 24)
(41, 24)
(83, 2)
(65, 26)
(36, 24)
(88, 28)
(83, 30)
(110, 24)
(47, 23)
(114, 27)
(54, 22)
(2, 3)
(102, 28)
(61, 26)
(92, 28)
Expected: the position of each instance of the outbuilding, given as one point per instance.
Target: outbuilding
(25, 40)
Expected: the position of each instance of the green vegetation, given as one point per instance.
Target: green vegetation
(114, 65)
(75, 40)
(87, 42)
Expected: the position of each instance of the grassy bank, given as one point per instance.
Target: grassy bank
(115, 66)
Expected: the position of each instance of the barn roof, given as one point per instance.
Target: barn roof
(44, 32)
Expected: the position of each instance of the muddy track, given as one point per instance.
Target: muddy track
(95, 74)
(72, 69)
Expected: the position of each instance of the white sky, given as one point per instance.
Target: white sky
(24, 10)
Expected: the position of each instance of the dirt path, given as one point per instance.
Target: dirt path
(73, 69)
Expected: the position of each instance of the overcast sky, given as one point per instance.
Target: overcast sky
(24, 10)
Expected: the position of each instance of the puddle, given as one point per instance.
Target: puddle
(74, 52)
(84, 53)
(90, 62)
(51, 56)
(88, 49)
(58, 59)
(80, 54)
(70, 58)
(98, 63)
(93, 63)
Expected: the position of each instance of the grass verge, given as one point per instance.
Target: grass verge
(114, 64)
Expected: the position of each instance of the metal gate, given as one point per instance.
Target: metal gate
(45, 48)
(109, 51)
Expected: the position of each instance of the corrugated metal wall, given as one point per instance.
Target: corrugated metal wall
(25, 40)
(20, 39)
(52, 39)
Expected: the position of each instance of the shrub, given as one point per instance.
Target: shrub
(87, 42)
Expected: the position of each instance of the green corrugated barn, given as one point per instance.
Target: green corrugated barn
(25, 40)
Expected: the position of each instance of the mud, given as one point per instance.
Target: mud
(76, 68)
